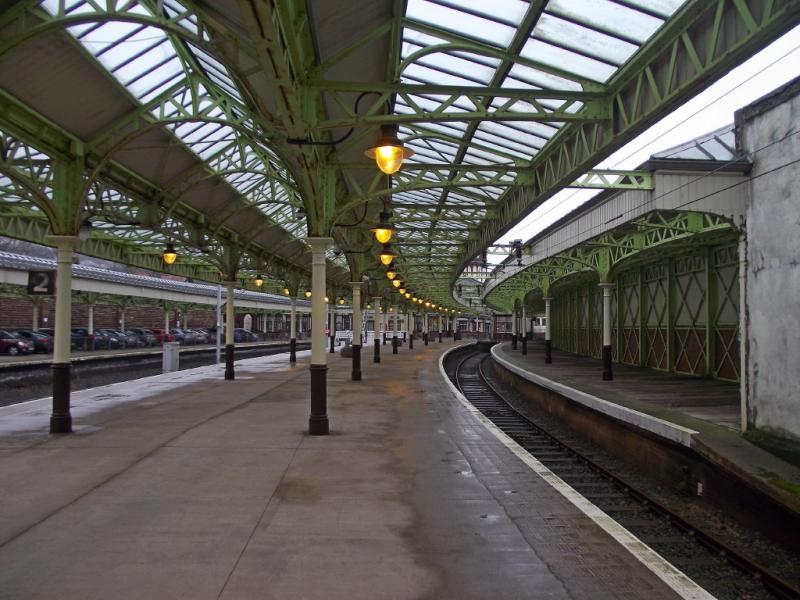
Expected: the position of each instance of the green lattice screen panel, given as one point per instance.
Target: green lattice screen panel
(655, 317)
(594, 296)
(689, 331)
(726, 312)
(629, 342)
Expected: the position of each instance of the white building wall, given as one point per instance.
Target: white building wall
(769, 131)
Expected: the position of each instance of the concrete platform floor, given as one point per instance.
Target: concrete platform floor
(187, 486)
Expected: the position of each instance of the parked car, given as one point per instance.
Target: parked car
(144, 337)
(183, 336)
(82, 339)
(13, 344)
(242, 335)
(201, 336)
(41, 341)
(107, 338)
(162, 336)
(126, 341)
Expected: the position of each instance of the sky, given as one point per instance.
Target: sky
(710, 110)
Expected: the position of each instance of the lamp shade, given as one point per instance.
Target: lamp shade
(169, 255)
(259, 280)
(388, 150)
(383, 230)
(386, 255)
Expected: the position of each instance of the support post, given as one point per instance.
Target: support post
(425, 326)
(440, 328)
(356, 342)
(293, 332)
(548, 344)
(318, 419)
(608, 288)
(743, 333)
(61, 416)
(332, 322)
(514, 329)
(395, 341)
(524, 331)
(230, 375)
(376, 358)
(35, 320)
(218, 316)
(90, 327)
(412, 325)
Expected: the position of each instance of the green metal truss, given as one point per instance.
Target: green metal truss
(491, 145)
(603, 255)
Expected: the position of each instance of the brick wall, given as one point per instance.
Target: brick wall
(17, 313)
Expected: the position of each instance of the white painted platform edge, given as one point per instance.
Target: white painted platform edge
(677, 581)
(660, 427)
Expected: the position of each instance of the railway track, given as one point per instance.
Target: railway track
(721, 570)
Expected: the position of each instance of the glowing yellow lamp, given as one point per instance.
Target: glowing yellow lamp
(391, 274)
(388, 150)
(383, 230)
(386, 255)
(402, 291)
(285, 291)
(408, 295)
(259, 281)
(308, 293)
(397, 283)
(169, 255)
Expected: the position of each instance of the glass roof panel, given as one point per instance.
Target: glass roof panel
(608, 16)
(564, 59)
(463, 23)
(582, 39)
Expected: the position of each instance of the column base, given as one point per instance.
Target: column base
(356, 374)
(293, 350)
(61, 418)
(514, 341)
(548, 352)
(230, 375)
(377, 354)
(333, 344)
(384, 338)
(524, 345)
(608, 374)
(440, 337)
(411, 341)
(318, 421)
(425, 338)
(394, 344)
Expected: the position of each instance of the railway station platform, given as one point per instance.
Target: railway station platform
(186, 485)
(701, 414)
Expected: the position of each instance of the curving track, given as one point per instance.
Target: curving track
(719, 569)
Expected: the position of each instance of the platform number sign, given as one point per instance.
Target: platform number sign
(41, 283)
